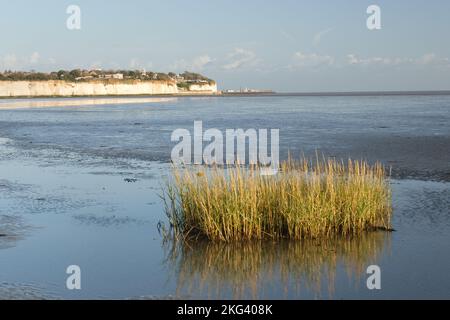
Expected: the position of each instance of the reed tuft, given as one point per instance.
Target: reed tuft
(306, 199)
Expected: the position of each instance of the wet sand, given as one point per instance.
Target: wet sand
(422, 157)
(84, 183)
(72, 102)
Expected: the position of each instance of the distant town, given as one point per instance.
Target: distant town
(247, 91)
(185, 82)
(183, 79)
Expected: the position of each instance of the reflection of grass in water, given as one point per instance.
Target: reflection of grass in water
(250, 269)
(305, 200)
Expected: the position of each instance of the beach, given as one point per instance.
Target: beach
(80, 183)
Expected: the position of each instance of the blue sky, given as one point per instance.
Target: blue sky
(285, 45)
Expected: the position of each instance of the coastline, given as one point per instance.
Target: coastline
(156, 95)
(252, 94)
(100, 88)
(24, 102)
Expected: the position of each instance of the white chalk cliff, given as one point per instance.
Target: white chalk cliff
(96, 88)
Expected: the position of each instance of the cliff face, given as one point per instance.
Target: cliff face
(92, 88)
(203, 88)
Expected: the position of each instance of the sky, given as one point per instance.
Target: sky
(283, 45)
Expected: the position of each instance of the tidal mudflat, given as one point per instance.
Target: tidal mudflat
(81, 185)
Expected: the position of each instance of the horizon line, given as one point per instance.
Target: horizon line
(352, 93)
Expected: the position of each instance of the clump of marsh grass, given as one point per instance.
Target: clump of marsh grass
(306, 199)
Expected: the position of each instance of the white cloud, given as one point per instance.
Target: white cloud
(200, 62)
(9, 61)
(96, 65)
(433, 59)
(240, 58)
(301, 60)
(179, 65)
(429, 59)
(353, 59)
(135, 64)
(318, 36)
(287, 35)
(34, 58)
(196, 64)
(26, 62)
